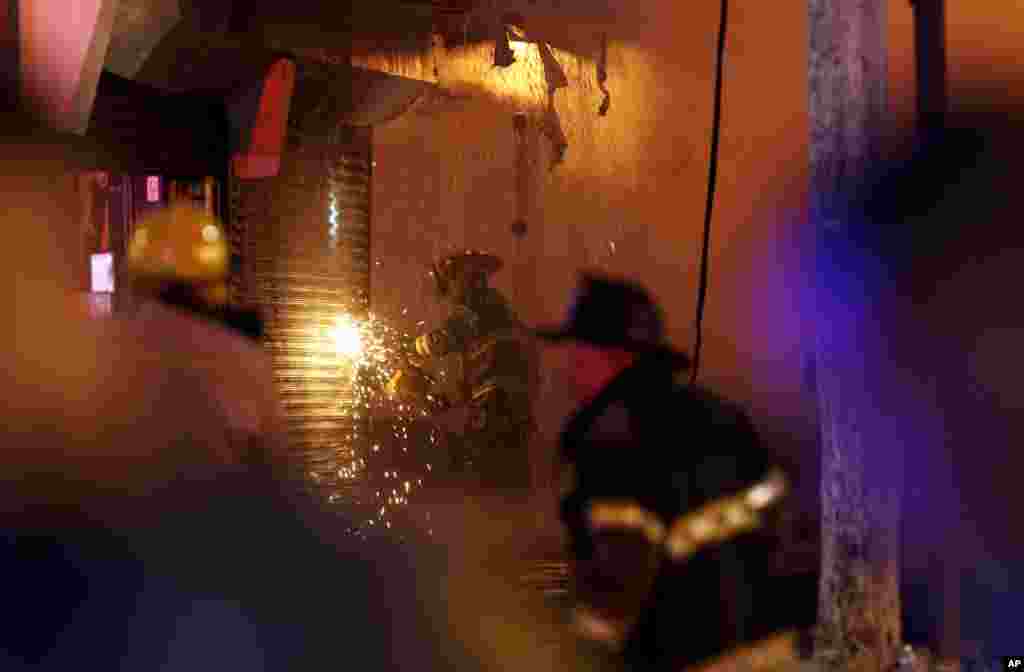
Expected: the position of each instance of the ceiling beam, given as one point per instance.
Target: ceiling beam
(417, 64)
(139, 26)
(155, 131)
(62, 47)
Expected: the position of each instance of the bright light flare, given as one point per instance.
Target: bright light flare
(348, 341)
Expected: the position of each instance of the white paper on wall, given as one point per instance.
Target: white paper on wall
(102, 267)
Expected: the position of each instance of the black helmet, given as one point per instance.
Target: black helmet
(457, 271)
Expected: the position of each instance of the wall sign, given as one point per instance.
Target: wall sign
(102, 267)
(153, 189)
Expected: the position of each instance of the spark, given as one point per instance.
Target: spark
(362, 354)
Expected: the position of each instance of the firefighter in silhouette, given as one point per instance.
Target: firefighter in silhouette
(671, 512)
(496, 373)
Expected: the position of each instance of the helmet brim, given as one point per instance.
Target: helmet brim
(473, 262)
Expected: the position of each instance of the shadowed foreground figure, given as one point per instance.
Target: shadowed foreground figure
(135, 533)
(178, 270)
(671, 511)
(226, 575)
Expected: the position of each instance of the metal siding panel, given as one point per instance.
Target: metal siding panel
(303, 273)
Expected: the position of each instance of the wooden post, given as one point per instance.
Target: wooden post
(859, 607)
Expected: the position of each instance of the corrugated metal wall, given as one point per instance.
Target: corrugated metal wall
(306, 240)
(238, 285)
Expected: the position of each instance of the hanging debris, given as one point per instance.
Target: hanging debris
(503, 56)
(602, 76)
(553, 131)
(554, 75)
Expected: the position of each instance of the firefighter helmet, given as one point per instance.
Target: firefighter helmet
(180, 245)
(459, 269)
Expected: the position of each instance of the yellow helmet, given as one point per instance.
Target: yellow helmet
(181, 244)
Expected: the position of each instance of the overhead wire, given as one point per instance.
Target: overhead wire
(716, 124)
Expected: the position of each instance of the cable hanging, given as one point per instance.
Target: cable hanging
(716, 124)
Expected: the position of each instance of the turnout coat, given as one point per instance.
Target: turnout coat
(669, 518)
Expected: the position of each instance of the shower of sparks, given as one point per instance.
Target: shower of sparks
(366, 353)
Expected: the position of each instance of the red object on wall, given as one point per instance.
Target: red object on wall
(262, 156)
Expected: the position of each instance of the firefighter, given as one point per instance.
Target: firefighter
(126, 539)
(671, 509)
(497, 372)
(178, 262)
(130, 536)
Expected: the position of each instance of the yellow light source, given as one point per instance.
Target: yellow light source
(210, 254)
(348, 341)
(520, 48)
